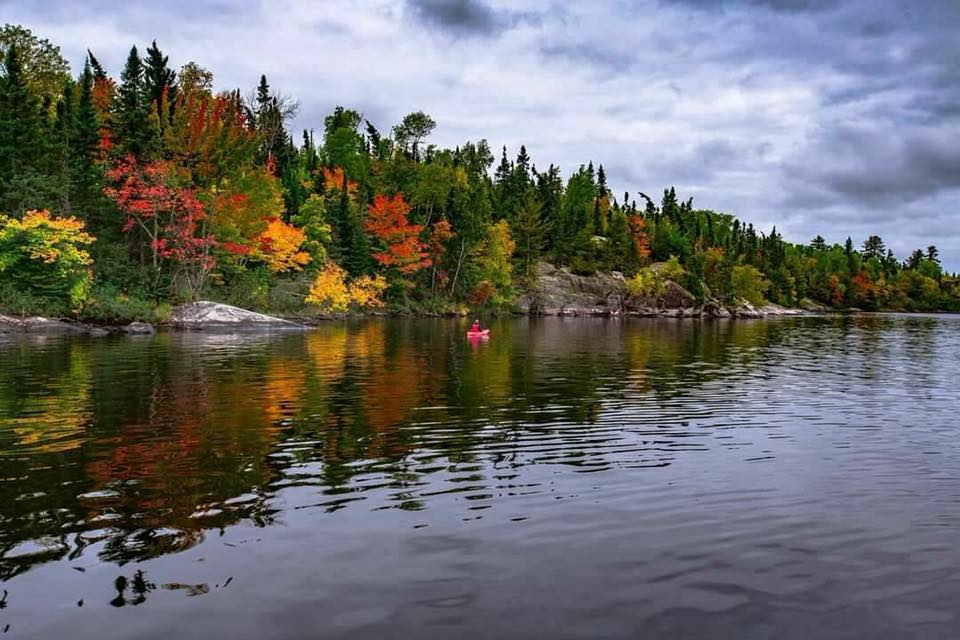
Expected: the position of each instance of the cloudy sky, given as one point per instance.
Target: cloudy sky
(839, 117)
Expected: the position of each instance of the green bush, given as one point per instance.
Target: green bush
(16, 302)
(108, 304)
(651, 282)
(749, 284)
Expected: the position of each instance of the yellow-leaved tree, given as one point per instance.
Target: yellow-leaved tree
(44, 256)
(279, 247)
(331, 291)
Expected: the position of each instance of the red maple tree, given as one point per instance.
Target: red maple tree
(403, 250)
(169, 216)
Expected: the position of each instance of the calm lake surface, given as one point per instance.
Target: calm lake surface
(794, 478)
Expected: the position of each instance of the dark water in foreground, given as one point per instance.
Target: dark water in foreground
(571, 478)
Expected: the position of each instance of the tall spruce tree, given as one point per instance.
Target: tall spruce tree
(60, 161)
(25, 179)
(97, 68)
(87, 197)
(529, 233)
(158, 78)
(133, 131)
(352, 247)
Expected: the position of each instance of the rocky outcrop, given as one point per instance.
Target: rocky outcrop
(213, 316)
(713, 309)
(48, 326)
(746, 310)
(557, 291)
(814, 307)
(139, 329)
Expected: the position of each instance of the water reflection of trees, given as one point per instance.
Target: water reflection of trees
(135, 448)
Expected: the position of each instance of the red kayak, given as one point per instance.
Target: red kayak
(485, 333)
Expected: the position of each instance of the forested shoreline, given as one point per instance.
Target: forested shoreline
(123, 196)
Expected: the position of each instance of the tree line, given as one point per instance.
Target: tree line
(121, 196)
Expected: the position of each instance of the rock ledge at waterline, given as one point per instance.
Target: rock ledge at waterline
(47, 326)
(213, 316)
(557, 291)
(194, 316)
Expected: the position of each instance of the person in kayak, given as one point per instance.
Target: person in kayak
(475, 328)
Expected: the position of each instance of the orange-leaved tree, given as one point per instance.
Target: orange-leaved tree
(641, 241)
(335, 180)
(241, 207)
(403, 252)
(280, 247)
(440, 235)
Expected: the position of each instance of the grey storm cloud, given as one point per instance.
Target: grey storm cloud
(832, 117)
(881, 167)
(464, 17)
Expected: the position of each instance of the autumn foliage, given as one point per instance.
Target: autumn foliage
(168, 215)
(640, 239)
(45, 255)
(331, 291)
(387, 221)
(279, 247)
(334, 180)
(198, 192)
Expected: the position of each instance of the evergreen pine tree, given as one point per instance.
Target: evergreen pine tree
(60, 163)
(25, 181)
(549, 189)
(529, 232)
(352, 247)
(157, 79)
(133, 132)
(873, 247)
(502, 179)
(98, 72)
(87, 198)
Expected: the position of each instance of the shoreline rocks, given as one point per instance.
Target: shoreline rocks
(557, 291)
(139, 329)
(194, 316)
(38, 325)
(214, 316)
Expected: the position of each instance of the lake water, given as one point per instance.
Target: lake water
(570, 478)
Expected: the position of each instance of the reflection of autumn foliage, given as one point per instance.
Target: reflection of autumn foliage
(162, 457)
(282, 389)
(396, 380)
(54, 420)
